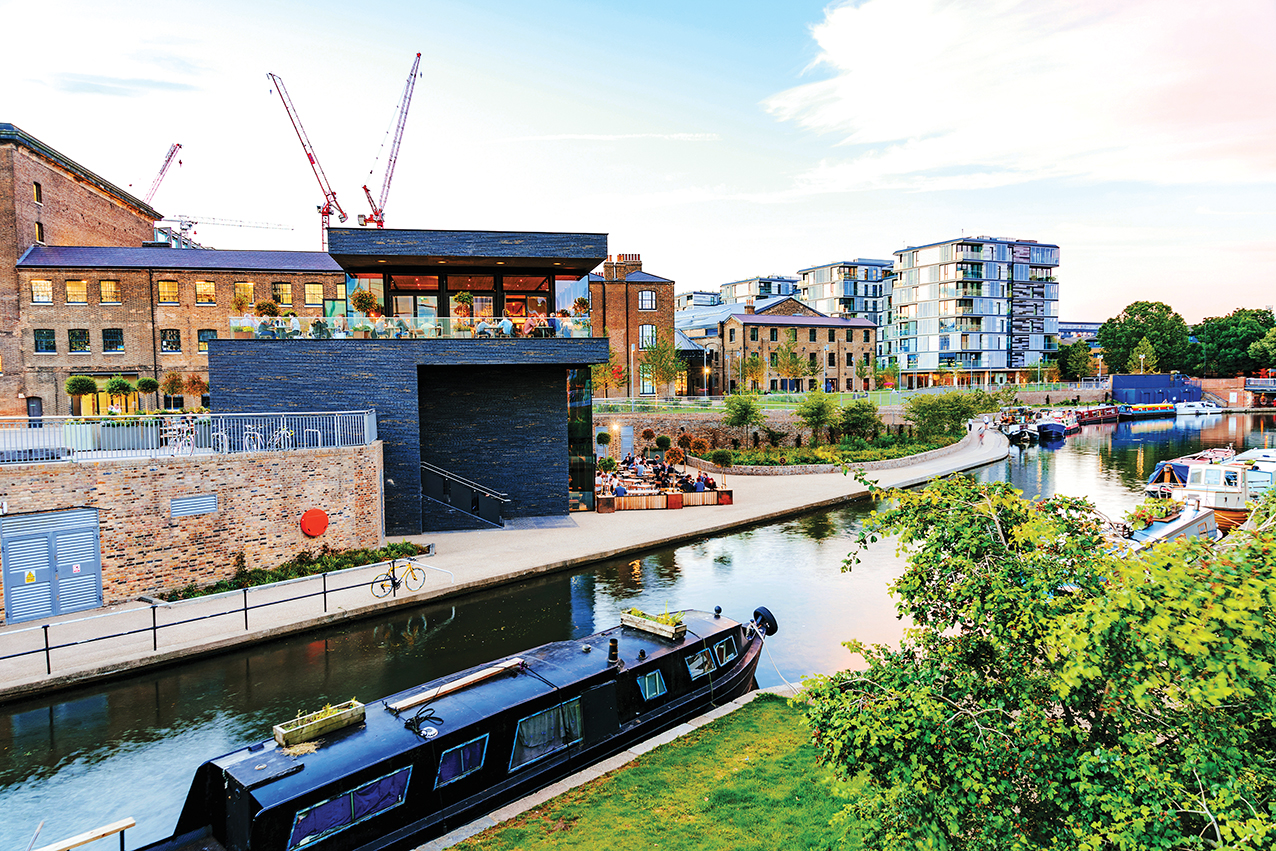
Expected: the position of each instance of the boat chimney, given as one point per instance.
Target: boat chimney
(613, 652)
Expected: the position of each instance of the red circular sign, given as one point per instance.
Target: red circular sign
(314, 522)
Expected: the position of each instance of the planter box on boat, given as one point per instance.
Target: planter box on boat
(314, 725)
(664, 630)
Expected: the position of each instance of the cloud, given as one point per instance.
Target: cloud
(962, 94)
(619, 137)
(118, 86)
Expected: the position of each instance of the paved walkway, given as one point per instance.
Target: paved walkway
(475, 559)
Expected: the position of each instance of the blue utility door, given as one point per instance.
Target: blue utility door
(52, 563)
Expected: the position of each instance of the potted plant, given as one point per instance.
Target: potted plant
(80, 434)
(663, 442)
(604, 438)
(1151, 510)
(303, 728)
(363, 301)
(146, 384)
(669, 625)
(463, 310)
(240, 304)
(580, 306)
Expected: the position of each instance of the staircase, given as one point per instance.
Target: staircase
(463, 495)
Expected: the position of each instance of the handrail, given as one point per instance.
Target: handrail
(492, 492)
(92, 836)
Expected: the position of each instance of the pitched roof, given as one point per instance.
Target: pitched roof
(812, 321)
(699, 317)
(646, 277)
(176, 259)
(683, 343)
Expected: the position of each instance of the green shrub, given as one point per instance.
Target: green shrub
(663, 442)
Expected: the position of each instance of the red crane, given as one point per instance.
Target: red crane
(330, 204)
(378, 210)
(168, 160)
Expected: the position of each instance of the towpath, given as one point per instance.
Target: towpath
(474, 559)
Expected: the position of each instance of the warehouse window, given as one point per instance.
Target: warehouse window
(78, 341)
(39, 232)
(168, 292)
(109, 292)
(281, 292)
(314, 295)
(204, 335)
(646, 336)
(77, 292)
(205, 292)
(170, 340)
(244, 290)
(112, 339)
(646, 299)
(38, 193)
(775, 334)
(42, 292)
(45, 341)
(753, 334)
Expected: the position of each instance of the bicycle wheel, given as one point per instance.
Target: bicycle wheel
(382, 586)
(415, 578)
(252, 441)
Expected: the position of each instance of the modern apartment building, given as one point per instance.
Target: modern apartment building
(698, 298)
(761, 286)
(847, 288)
(983, 304)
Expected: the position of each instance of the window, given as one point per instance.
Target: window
(42, 292)
(77, 292)
(810, 384)
(38, 193)
(832, 358)
(39, 232)
(78, 341)
(112, 339)
(774, 360)
(205, 292)
(811, 358)
(699, 664)
(730, 335)
(850, 358)
(832, 334)
(646, 299)
(363, 802)
(866, 335)
(174, 403)
(461, 760)
(811, 336)
(646, 336)
(281, 292)
(45, 341)
(245, 289)
(753, 335)
(168, 292)
(850, 384)
(645, 386)
(204, 335)
(725, 650)
(775, 334)
(170, 340)
(850, 335)
(866, 357)
(314, 295)
(108, 292)
(548, 731)
(774, 384)
(652, 685)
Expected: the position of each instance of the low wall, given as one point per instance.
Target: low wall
(808, 469)
(260, 499)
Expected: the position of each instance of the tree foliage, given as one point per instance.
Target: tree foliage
(753, 369)
(1157, 321)
(80, 385)
(1053, 695)
(816, 411)
(743, 410)
(609, 376)
(1075, 361)
(1226, 340)
(1264, 351)
(859, 419)
(789, 362)
(1142, 358)
(662, 362)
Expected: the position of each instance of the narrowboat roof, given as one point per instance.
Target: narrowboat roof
(275, 778)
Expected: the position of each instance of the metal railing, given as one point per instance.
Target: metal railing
(463, 494)
(407, 327)
(170, 434)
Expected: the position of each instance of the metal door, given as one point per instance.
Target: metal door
(35, 411)
(52, 563)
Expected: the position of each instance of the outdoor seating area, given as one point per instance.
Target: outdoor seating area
(360, 327)
(640, 484)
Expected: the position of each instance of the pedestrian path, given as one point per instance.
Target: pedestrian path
(465, 561)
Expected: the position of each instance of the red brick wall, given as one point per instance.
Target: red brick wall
(615, 307)
(261, 497)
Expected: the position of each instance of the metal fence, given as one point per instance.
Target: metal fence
(158, 435)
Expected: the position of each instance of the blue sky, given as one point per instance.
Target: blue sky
(718, 140)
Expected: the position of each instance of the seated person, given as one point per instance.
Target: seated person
(506, 326)
(483, 329)
(686, 486)
(429, 326)
(639, 469)
(400, 327)
(319, 330)
(265, 329)
(700, 485)
(620, 489)
(710, 484)
(564, 324)
(629, 460)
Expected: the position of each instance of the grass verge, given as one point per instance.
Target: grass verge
(749, 780)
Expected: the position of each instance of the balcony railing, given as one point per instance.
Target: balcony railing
(406, 327)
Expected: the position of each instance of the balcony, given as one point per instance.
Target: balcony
(406, 327)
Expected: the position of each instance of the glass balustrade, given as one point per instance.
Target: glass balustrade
(407, 327)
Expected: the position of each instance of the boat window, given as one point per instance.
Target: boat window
(1229, 478)
(348, 809)
(725, 650)
(652, 685)
(545, 732)
(700, 664)
(461, 760)
(1213, 477)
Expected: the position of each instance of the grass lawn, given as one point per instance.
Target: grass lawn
(747, 781)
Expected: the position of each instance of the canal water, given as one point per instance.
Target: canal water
(128, 748)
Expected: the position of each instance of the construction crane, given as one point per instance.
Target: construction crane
(330, 204)
(168, 160)
(378, 209)
(186, 223)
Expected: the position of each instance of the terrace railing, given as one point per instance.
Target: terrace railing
(169, 434)
(407, 327)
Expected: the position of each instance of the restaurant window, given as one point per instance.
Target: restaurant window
(525, 283)
(112, 339)
(646, 336)
(753, 334)
(109, 292)
(42, 292)
(244, 290)
(651, 684)
(646, 299)
(205, 292)
(546, 732)
(775, 334)
(349, 808)
(168, 292)
(414, 282)
(281, 292)
(46, 342)
(78, 341)
(461, 760)
(170, 340)
(77, 292)
(203, 335)
(645, 385)
(314, 295)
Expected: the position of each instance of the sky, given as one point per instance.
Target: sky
(717, 140)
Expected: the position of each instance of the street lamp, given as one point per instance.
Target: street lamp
(825, 376)
(633, 347)
(706, 382)
(1099, 358)
(1141, 357)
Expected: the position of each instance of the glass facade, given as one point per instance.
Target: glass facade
(580, 440)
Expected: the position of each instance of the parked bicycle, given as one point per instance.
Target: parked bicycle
(179, 435)
(281, 438)
(252, 439)
(390, 581)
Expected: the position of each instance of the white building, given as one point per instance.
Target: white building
(847, 288)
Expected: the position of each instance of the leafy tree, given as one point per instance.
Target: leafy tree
(146, 384)
(933, 414)
(663, 442)
(1225, 341)
(195, 386)
(743, 410)
(609, 376)
(1075, 361)
(80, 385)
(1142, 358)
(1264, 351)
(753, 368)
(1165, 330)
(860, 419)
(171, 384)
(699, 446)
(1053, 695)
(887, 375)
(117, 386)
(816, 411)
(603, 438)
(863, 370)
(662, 362)
(790, 363)
(722, 458)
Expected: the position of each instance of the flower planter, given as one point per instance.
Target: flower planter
(673, 632)
(316, 724)
(129, 436)
(80, 436)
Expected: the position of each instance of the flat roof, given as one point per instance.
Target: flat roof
(174, 259)
(996, 239)
(861, 261)
(367, 249)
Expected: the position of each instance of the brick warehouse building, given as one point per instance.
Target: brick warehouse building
(48, 199)
(836, 349)
(633, 307)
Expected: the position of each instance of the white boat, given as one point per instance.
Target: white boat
(1192, 408)
(1222, 487)
(1192, 521)
(1260, 469)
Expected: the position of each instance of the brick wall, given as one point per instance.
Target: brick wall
(735, 351)
(615, 308)
(261, 497)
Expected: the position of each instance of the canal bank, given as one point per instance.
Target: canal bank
(475, 560)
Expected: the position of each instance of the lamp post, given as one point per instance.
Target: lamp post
(825, 377)
(1141, 357)
(706, 382)
(633, 347)
(1099, 358)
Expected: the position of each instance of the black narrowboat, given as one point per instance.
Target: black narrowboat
(434, 757)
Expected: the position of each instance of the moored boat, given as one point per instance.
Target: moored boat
(1100, 414)
(432, 758)
(1145, 412)
(1194, 408)
(1221, 487)
(1174, 473)
(1056, 425)
(1191, 520)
